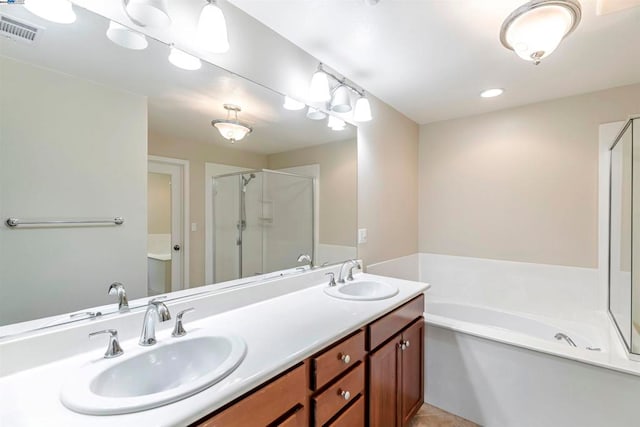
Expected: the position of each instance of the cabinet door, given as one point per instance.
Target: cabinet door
(412, 371)
(384, 384)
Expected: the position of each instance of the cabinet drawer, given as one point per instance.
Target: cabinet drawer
(340, 357)
(264, 405)
(329, 402)
(352, 417)
(383, 329)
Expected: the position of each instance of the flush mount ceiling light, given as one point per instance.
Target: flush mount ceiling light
(183, 60)
(291, 104)
(212, 29)
(320, 92)
(491, 93)
(59, 11)
(126, 37)
(535, 29)
(148, 13)
(230, 128)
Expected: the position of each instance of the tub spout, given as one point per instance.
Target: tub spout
(560, 336)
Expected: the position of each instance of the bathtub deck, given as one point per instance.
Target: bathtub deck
(430, 416)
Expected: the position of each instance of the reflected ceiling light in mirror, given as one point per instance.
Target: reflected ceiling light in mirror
(148, 13)
(126, 37)
(535, 29)
(231, 128)
(341, 100)
(183, 60)
(60, 11)
(319, 90)
(291, 104)
(212, 29)
(362, 110)
(315, 114)
(491, 93)
(335, 123)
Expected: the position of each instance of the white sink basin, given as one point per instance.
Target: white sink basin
(165, 373)
(362, 290)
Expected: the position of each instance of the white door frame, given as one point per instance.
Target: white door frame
(168, 165)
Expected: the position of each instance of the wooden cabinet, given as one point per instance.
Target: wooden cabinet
(396, 368)
(344, 385)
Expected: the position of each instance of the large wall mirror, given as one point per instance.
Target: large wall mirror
(624, 238)
(91, 131)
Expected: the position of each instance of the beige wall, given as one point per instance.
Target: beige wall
(518, 184)
(338, 186)
(159, 203)
(198, 153)
(387, 184)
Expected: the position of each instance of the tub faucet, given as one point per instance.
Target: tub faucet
(156, 310)
(560, 336)
(352, 263)
(117, 288)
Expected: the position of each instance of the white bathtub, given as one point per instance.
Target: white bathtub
(506, 369)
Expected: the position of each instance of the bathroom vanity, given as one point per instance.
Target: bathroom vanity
(311, 359)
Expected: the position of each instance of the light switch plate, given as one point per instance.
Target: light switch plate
(362, 235)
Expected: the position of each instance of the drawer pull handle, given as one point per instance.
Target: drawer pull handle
(345, 358)
(345, 394)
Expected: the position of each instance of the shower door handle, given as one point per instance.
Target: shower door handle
(176, 247)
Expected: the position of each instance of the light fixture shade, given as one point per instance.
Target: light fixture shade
(335, 123)
(60, 11)
(319, 90)
(126, 37)
(292, 104)
(341, 101)
(212, 29)
(491, 93)
(362, 111)
(183, 60)
(148, 13)
(315, 114)
(230, 128)
(535, 29)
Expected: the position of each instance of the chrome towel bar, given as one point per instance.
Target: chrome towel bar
(15, 222)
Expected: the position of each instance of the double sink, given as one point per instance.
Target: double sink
(176, 368)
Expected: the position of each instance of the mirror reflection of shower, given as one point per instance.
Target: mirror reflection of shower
(273, 222)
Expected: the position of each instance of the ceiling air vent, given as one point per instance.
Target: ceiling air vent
(19, 31)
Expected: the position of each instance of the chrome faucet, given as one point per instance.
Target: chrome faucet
(560, 336)
(306, 258)
(155, 310)
(353, 263)
(117, 288)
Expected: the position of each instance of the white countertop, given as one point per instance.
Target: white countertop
(280, 332)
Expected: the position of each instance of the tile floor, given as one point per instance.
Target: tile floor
(430, 416)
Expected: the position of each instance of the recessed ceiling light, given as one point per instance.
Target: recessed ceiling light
(491, 93)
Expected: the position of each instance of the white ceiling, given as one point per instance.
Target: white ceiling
(181, 104)
(430, 59)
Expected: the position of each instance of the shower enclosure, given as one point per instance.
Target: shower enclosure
(624, 235)
(263, 220)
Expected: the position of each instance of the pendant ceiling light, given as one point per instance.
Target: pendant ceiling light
(335, 123)
(315, 114)
(60, 11)
(183, 60)
(535, 29)
(148, 13)
(212, 29)
(126, 37)
(341, 100)
(362, 111)
(230, 128)
(292, 105)
(319, 90)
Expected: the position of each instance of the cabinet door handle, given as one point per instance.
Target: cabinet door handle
(345, 358)
(407, 344)
(345, 394)
(401, 345)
